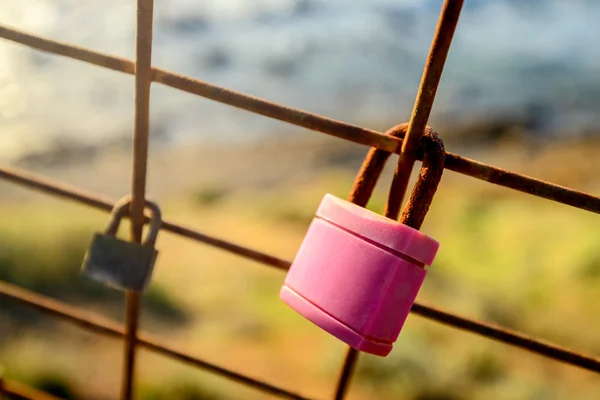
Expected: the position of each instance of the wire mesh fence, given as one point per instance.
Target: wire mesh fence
(406, 147)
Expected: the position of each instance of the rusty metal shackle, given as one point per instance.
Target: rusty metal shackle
(433, 153)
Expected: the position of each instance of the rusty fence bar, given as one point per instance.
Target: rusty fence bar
(205, 89)
(105, 326)
(99, 324)
(407, 148)
(310, 121)
(553, 192)
(20, 391)
(34, 182)
(432, 73)
(141, 126)
(514, 338)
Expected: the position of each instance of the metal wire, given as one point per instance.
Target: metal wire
(533, 345)
(105, 326)
(432, 73)
(65, 191)
(205, 89)
(143, 78)
(430, 80)
(360, 193)
(90, 321)
(20, 391)
(490, 331)
(346, 373)
(407, 148)
(310, 121)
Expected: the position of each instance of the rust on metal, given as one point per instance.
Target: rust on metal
(426, 185)
(523, 183)
(432, 73)
(65, 191)
(433, 154)
(141, 127)
(416, 211)
(360, 193)
(61, 190)
(346, 373)
(307, 120)
(381, 147)
(207, 90)
(19, 391)
(431, 151)
(371, 169)
(477, 327)
(102, 325)
(91, 321)
(513, 338)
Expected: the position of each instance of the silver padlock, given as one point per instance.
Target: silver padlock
(119, 263)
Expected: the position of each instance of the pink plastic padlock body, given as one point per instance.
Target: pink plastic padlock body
(357, 274)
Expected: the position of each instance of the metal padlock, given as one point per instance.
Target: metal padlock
(357, 273)
(119, 263)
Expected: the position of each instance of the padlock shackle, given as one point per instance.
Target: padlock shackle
(434, 156)
(371, 169)
(433, 153)
(121, 209)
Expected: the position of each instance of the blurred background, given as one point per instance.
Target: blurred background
(520, 90)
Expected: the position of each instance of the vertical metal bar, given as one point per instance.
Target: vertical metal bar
(430, 80)
(143, 78)
(346, 373)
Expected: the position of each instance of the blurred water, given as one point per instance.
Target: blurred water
(355, 60)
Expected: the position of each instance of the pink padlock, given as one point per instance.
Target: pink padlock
(357, 273)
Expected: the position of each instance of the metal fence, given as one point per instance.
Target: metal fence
(407, 148)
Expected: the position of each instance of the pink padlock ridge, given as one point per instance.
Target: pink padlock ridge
(357, 274)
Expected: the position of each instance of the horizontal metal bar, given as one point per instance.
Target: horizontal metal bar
(454, 162)
(523, 183)
(32, 181)
(510, 337)
(106, 326)
(308, 120)
(477, 327)
(207, 90)
(20, 391)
